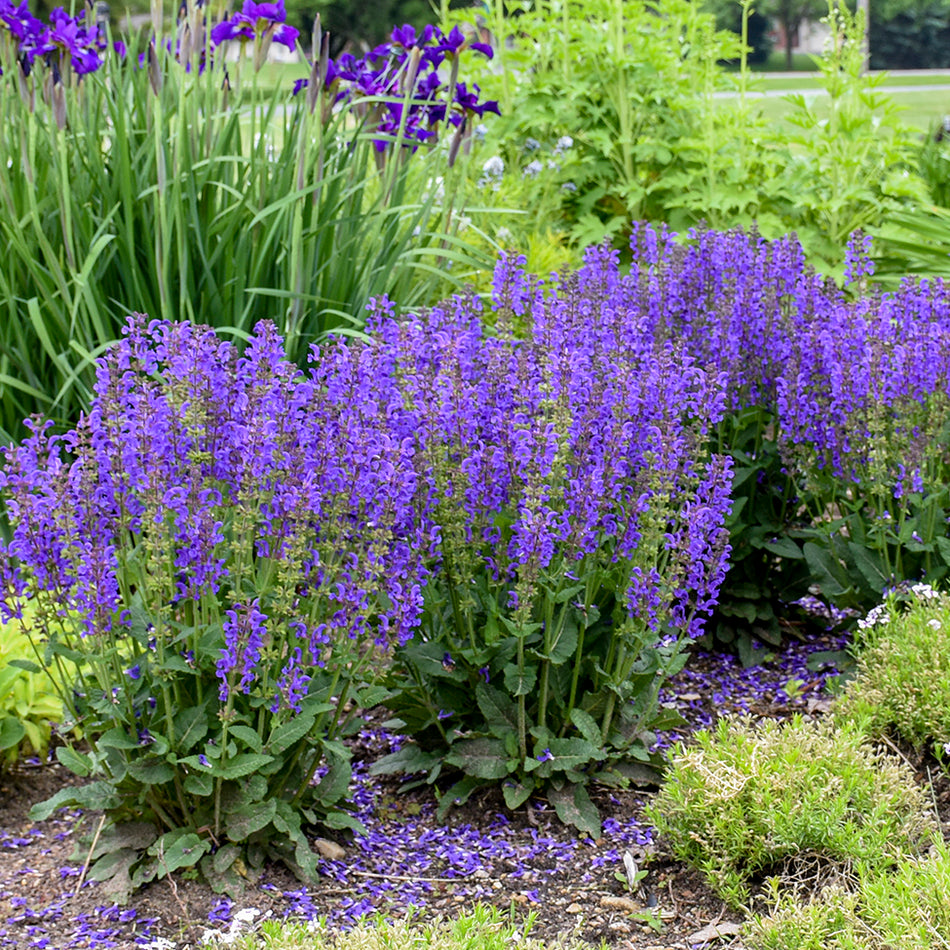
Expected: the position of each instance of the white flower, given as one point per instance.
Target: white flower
(494, 167)
(934, 623)
(924, 592)
(563, 144)
(532, 169)
(247, 915)
(877, 615)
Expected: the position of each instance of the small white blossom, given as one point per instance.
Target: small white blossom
(924, 592)
(934, 623)
(533, 169)
(563, 144)
(877, 615)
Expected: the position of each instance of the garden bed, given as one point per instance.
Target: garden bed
(526, 860)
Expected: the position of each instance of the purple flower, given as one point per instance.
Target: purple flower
(134, 672)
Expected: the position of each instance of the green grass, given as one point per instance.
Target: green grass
(921, 110)
(483, 928)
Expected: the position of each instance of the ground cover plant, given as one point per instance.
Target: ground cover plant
(157, 178)
(901, 681)
(751, 801)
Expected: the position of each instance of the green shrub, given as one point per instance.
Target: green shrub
(29, 701)
(830, 922)
(903, 674)
(751, 800)
(906, 909)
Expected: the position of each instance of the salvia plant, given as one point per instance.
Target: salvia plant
(166, 178)
(222, 545)
(838, 421)
(581, 539)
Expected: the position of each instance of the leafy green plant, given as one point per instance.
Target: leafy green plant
(767, 569)
(747, 801)
(579, 513)
(29, 698)
(848, 167)
(906, 908)
(902, 682)
(625, 80)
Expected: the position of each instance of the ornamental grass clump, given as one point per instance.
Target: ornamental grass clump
(222, 546)
(799, 802)
(902, 681)
(579, 518)
(167, 179)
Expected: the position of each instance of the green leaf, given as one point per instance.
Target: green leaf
(869, 564)
(586, 725)
(96, 796)
(12, 732)
(76, 762)
(574, 807)
(177, 849)
(242, 822)
(283, 737)
(250, 737)
(564, 643)
(336, 782)
(500, 713)
(191, 726)
(827, 570)
(117, 738)
(517, 795)
(199, 783)
(408, 760)
(224, 857)
(151, 771)
(27, 665)
(243, 764)
(520, 683)
(480, 758)
(458, 794)
(784, 547)
(339, 820)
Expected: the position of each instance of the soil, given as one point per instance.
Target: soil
(410, 862)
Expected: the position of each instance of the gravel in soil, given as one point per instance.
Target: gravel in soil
(409, 862)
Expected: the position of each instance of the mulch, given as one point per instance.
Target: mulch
(410, 863)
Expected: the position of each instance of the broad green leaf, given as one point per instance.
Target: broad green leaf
(244, 821)
(586, 725)
(481, 758)
(250, 737)
(151, 771)
(76, 762)
(243, 764)
(191, 726)
(283, 737)
(517, 795)
(500, 713)
(176, 850)
(520, 683)
(11, 732)
(95, 796)
(199, 783)
(574, 807)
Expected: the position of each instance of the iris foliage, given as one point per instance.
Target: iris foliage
(159, 178)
